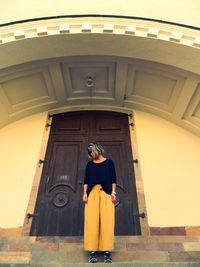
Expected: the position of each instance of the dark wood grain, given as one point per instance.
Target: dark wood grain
(59, 201)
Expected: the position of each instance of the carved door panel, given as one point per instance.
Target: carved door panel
(59, 203)
(112, 131)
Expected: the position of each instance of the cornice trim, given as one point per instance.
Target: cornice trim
(101, 16)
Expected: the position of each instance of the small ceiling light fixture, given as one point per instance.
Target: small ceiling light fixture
(89, 82)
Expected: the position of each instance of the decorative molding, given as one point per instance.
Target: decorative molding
(162, 90)
(164, 32)
(26, 89)
(192, 112)
(152, 87)
(76, 74)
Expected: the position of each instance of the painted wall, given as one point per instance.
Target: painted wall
(180, 11)
(19, 149)
(169, 158)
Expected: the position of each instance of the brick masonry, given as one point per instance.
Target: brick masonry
(187, 230)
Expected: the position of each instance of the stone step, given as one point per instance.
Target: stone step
(121, 264)
(26, 246)
(118, 239)
(37, 256)
(42, 251)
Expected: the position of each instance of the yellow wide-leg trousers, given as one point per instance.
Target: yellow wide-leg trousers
(99, 221)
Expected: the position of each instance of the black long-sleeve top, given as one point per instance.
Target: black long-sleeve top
(102, 173)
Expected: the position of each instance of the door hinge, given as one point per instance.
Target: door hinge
(140, 215)
(130, 115)
(50, 116)
(48, 125)
(41, 162)
(31, 215)
(135, 161)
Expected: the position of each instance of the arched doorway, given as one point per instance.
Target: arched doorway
(59, 207)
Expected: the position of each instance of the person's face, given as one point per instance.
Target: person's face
(94, 154)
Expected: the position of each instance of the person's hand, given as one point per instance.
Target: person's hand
(85, 198)
(113, 196)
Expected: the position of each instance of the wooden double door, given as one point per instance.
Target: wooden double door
(59, 209)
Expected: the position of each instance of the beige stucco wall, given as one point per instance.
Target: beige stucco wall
(169, 160)
(179, 11)
(19, 145)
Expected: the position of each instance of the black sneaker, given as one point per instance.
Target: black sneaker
(107, 257)
(92, 256)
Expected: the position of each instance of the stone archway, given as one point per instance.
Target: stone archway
(138, 179)
(129, 56)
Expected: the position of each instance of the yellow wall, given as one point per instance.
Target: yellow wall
(180, 11)
(169, 158)
(19, 146)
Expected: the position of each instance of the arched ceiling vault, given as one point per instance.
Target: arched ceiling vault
(153, 68)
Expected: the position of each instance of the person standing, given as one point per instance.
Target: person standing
(99, 196)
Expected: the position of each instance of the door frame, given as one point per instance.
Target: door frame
(145, 230)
